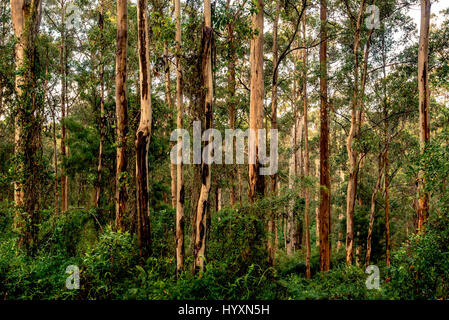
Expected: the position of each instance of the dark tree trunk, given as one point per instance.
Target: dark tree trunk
(325, 186)
(203, 201)
(121, 102)
(143, 133)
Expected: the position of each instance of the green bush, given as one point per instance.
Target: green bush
(296, 264)
(108, 264)
(157, 281)
(69, 233)
(39, 277)
(420, 270)
(238, 238)
(341, 283)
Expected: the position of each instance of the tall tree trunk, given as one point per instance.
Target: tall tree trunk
(296, 225)
(325, 184)
(256, 181)
(55, 161)
(195, 191)
(385, 160)
(180, 193)
(63, 71)
(274, 126)
(26, 17)
(317, 208)
(169, 101)
(240, 183)
(143, 133)
(306, 146)
(424, 106)
(299, 163)
(293, 170)
(294, 165)
(387, 210)
(121, 194)
(173, 182)
(289, 224)
(203, 201)
(387, 203)
(231, 97)
(353, 155)
(340, 216)
(102, 115)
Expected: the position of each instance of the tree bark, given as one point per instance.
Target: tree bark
(353, 155)
(63, 71)
(306, 146)
(203, 201)
(387, 205)
(231, 97)
(424, 107)
(289, 234)
(121, 195)
(385, 161)
(325, 185)
(256, 181)
(274, 126)
(296, 225)
(143, 133)
(299, 164)
(169, 101)
(293, 170)
(317, 208)
(55, 161)
(102, 114)
(340, 215)
(26, 16)
(180, 193)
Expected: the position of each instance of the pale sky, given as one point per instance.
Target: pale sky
(415, 12)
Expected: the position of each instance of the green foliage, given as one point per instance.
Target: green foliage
(108, 263)
(163, 232)
(296, 264)
(237, 238)
(156, 281)
(38, 277)
(340, 283)
(70, 232)
(110, 266)
(26, 278)
(421, 269)
(83, 143)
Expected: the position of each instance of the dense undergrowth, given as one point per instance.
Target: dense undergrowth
(236, 269)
